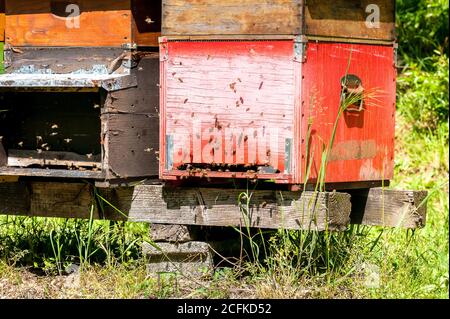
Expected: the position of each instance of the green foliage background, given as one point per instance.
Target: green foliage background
(423, 29)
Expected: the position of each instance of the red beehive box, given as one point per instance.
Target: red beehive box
(263, 104)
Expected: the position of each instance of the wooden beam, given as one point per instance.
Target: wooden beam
(184, 206)
(269, 209)
(219, 207)
(389, 208)
(51, 173)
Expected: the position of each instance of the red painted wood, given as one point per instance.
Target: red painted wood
(364, 141)
(240, 102)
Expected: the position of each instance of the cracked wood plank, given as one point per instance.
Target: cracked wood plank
(268, 209)
(181, 206)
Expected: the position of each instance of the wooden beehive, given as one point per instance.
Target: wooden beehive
(80, 96)
(253, 89)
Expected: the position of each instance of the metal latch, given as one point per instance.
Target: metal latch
(300, 48)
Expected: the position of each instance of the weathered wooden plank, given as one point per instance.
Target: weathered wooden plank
(130, 124)
(51, 173)
(184, 206)
(217, 17)
(44, 23)
(130, 142)
(219, 207)
(144, 98)
(27, 158)
(73, 200)
(390, 208)
(15, 199)
(269, 209)
(62, 60)
(348, 19)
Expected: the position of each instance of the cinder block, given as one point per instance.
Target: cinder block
(191, 258)
(171, 233)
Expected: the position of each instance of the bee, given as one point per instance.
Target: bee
(89, 156)
(68, 140)
(54, 134)
(55, 126)
(20, 144)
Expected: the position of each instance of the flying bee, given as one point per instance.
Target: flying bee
(55, 126)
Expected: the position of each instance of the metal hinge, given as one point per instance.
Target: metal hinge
(396, 55)
(300, 48)
(7, 56)
(163, 49)
(129, 46)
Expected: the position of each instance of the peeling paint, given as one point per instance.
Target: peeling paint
(354, 150)
(368, 172)
(97, 69)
